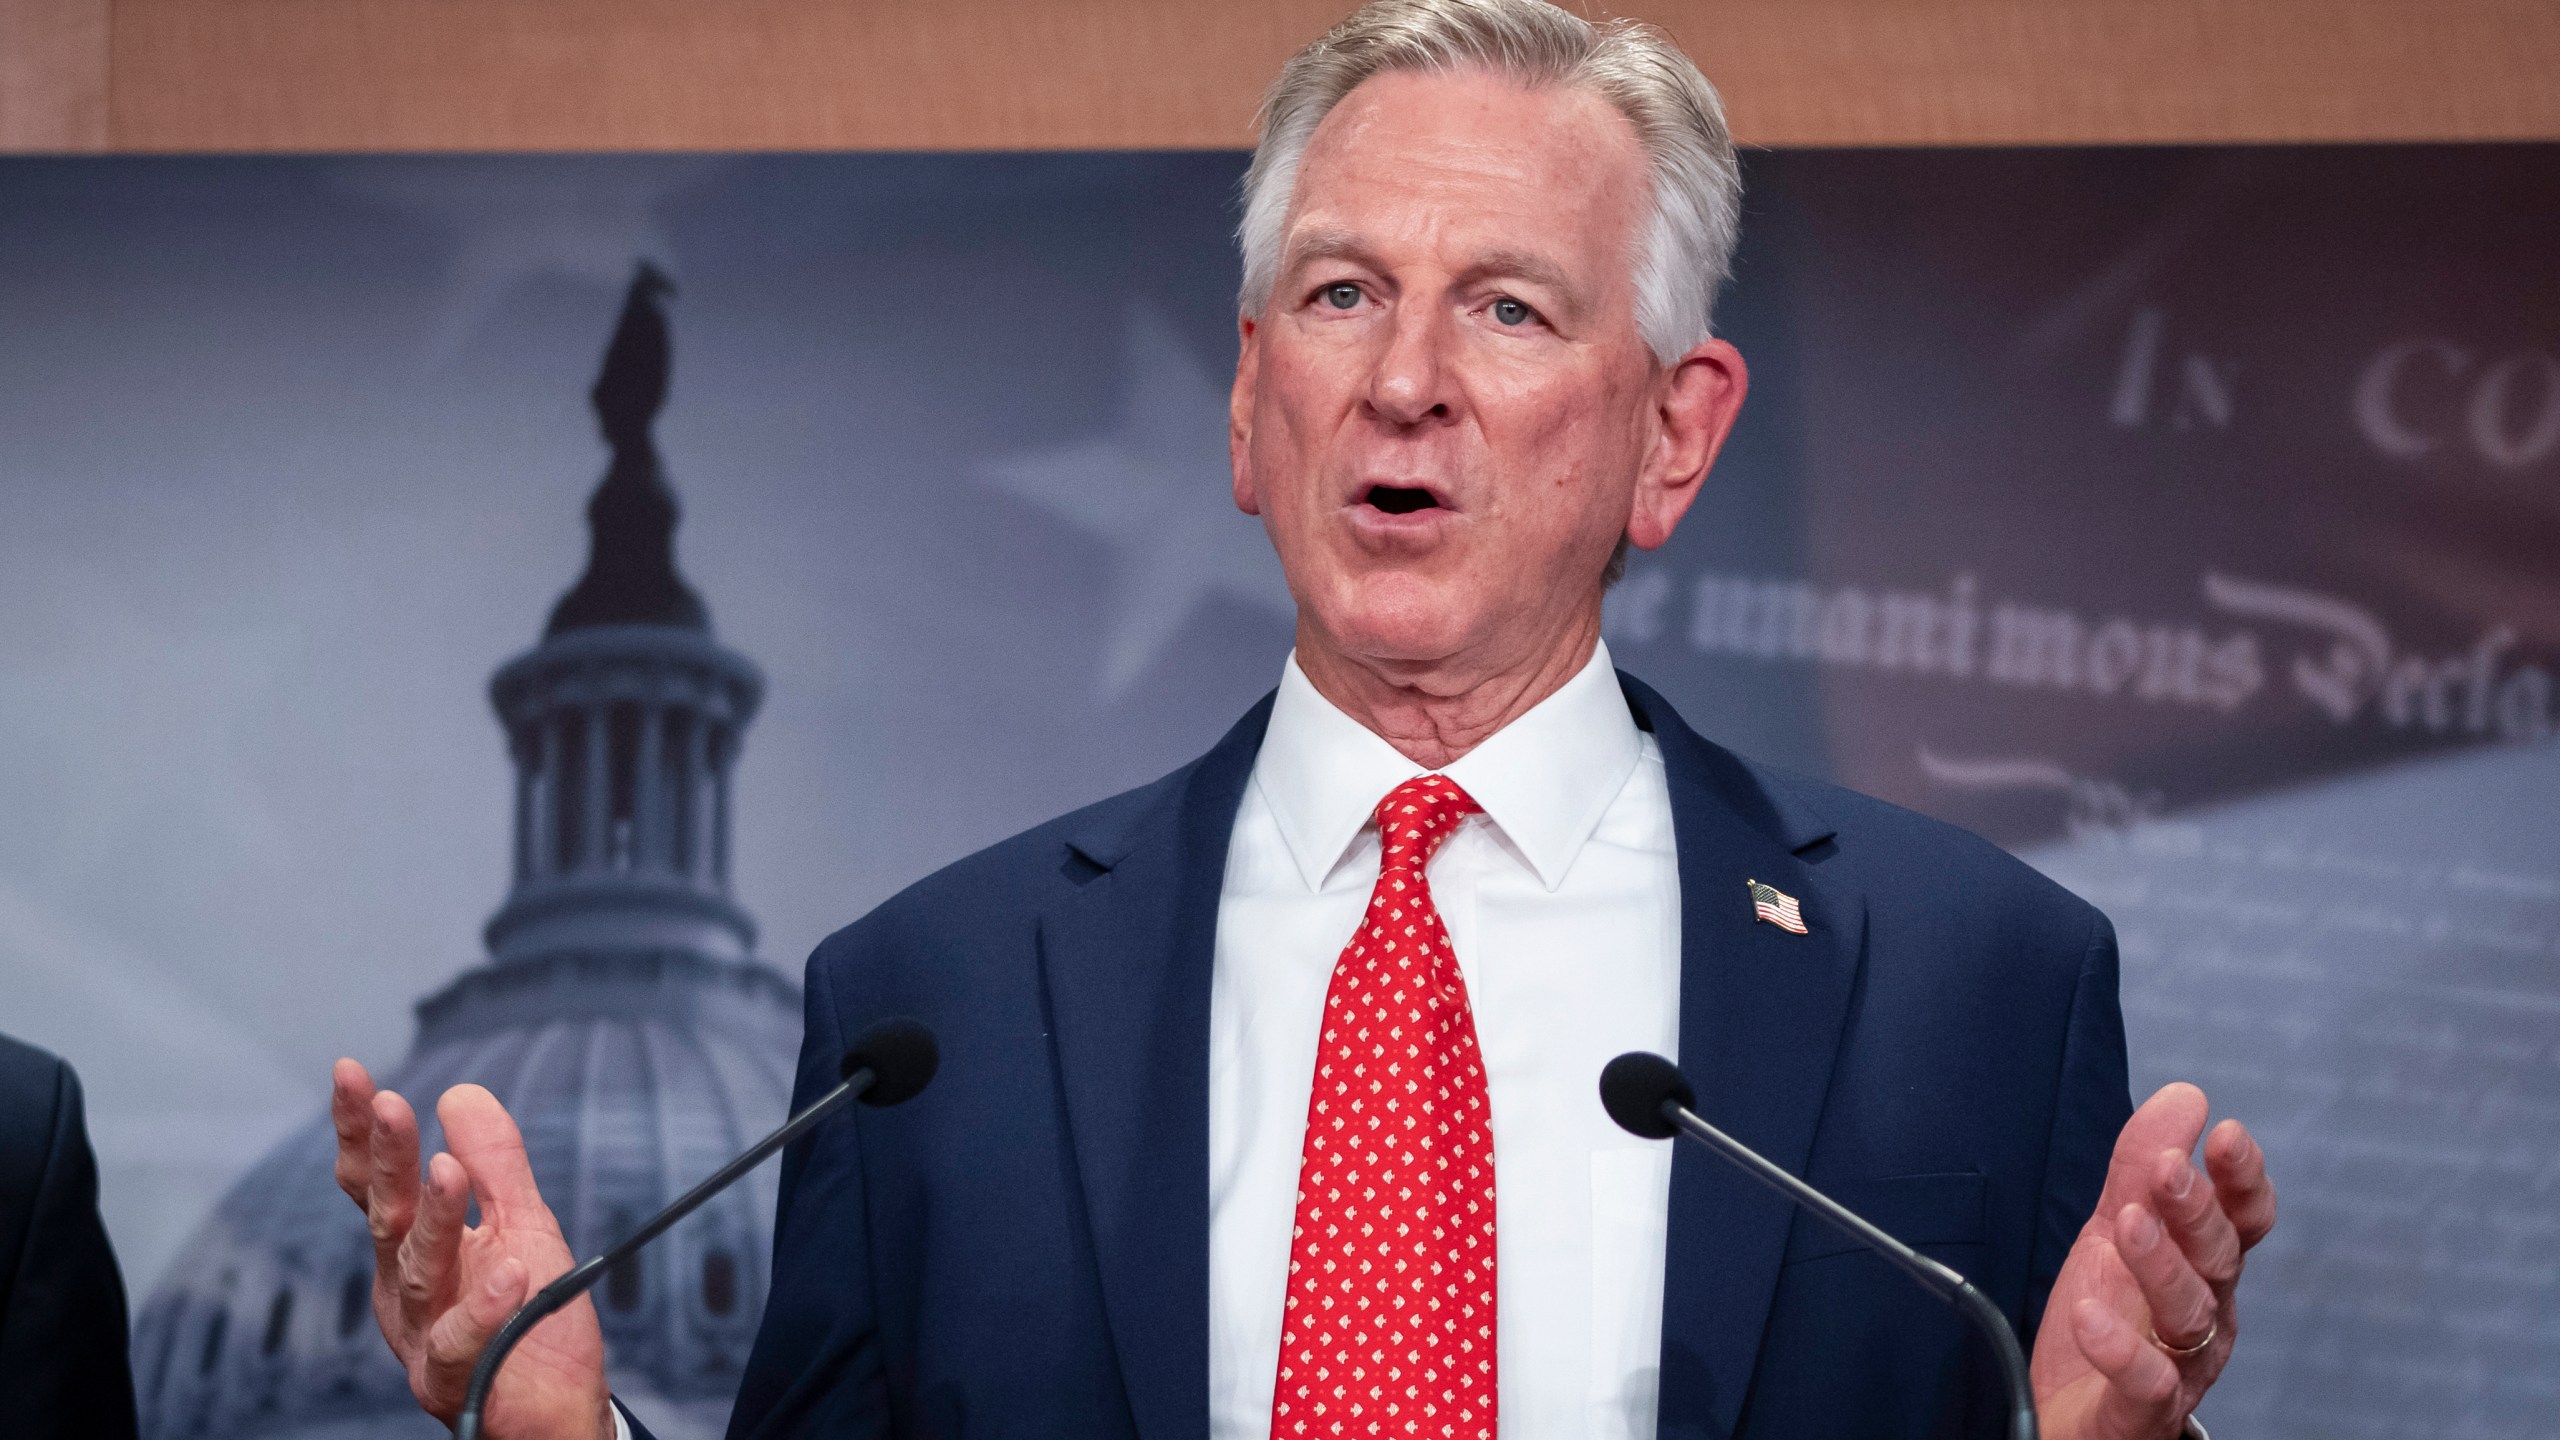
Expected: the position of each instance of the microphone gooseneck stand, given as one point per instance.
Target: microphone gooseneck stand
(1648, 1096)
(888, 1064)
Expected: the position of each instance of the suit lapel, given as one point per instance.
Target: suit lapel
(1762, 1012)
(1125, 963)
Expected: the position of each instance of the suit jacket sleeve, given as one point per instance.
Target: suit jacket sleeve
(2089, 1112)
(64, 1369)
(816, 1367)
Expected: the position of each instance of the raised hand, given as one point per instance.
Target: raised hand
(442, 1287)
(2143, 1313)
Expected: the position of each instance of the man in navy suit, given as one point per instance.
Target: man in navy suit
(63, 1365)
(1268, 1098)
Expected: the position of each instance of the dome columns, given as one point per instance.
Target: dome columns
(624, 739)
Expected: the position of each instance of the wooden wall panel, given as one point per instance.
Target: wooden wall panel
(685, 74)
(53, 75)
(2003, 72)
(249, 75)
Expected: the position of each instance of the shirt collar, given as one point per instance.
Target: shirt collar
(1544, 780)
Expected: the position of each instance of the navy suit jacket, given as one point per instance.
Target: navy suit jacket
(64, 1370)
(1023, 1250)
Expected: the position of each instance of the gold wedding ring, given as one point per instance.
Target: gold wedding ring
(2190, 1352)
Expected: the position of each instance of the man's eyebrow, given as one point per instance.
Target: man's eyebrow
(1315, 245)
(1526, 266)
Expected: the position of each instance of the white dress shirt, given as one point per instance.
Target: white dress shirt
(1562, 901)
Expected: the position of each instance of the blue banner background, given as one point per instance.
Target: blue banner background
(2182, 518)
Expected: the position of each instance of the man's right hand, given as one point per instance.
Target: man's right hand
(441, 1287)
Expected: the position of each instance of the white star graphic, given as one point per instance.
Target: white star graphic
(1154, 487)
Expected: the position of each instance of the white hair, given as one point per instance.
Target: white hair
(1685, 251)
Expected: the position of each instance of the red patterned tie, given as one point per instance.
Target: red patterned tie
(1390, 1327)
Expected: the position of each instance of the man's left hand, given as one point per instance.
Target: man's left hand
(2143, 1315)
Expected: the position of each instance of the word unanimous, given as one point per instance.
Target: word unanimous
(1953, 634)
(2336, 655)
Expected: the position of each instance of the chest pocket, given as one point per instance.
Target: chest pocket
(1922, 1211)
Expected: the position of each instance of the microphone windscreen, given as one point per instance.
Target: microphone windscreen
(1633, 1087)
(901, 1056)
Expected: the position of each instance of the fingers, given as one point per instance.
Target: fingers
(2186, 1202)
(2239, 1170)
(458, 1336)
(481, 1135)
(391, 1181)
(431, 1255)
(351, 1111)
(2183, 1307)
(2142, 1386)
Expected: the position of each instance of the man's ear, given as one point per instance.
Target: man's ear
(1240, 415)
(1700, 397)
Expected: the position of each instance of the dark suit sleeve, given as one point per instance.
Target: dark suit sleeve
(64, 1369)
(2089, 1112)
(816, 1368)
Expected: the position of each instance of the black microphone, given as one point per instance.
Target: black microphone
(888, 1064)
(1648, 1096)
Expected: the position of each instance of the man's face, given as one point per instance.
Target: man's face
(1445, 414)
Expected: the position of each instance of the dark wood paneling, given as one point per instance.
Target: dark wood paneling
(232, 75)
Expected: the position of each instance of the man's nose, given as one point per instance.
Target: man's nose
(1411, 384)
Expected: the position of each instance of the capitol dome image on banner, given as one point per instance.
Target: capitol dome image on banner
(622, 1013)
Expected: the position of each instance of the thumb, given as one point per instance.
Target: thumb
(2172, 1119)
(458, 1336)
(2142, 1386)
(483, 1136)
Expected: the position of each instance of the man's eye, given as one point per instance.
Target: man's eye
(1342, 297)
(1507, 311)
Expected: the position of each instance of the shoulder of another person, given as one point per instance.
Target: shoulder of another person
(28, 1069)
(34, 1110)
(31, 1084)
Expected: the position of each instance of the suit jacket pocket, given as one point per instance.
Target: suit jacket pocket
(1922, 1211)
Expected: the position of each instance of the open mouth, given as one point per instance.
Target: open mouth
(1400, 499)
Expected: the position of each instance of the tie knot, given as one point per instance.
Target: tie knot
(1417, 816)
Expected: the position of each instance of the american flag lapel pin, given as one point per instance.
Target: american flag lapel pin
(1776, 906)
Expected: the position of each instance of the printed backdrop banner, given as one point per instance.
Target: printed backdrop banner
(2186, 520)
